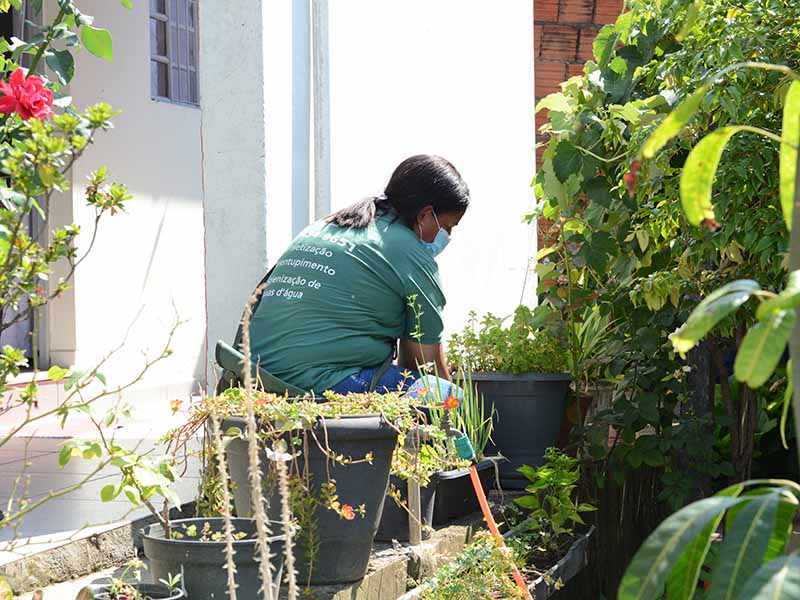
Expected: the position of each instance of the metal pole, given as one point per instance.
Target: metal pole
(322, 154)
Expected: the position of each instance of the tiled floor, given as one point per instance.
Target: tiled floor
(33, 463)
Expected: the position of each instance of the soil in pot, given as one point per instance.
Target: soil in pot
(202, 559)
(341, 548)
(529, 410)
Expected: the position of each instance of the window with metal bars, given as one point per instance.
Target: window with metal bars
(173, 51)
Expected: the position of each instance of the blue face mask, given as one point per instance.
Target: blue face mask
(440, 242)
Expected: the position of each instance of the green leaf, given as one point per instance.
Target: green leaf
(62, 63)
(699, 171)
(528, 471)
(648, 571)
(598, 190)
(682, 581)
(98, 42)
(127, 4)
(763, 347)
(529, 502)
(567, 161)
(788, 298)
(715, 307)
(787, 402)
(779, 579)
(603, 45)
(47, 173)
(108, 493)
(743, 547)
(56, 373)
(675, 121)
(64, 455)
(790, 134)
(782, 531)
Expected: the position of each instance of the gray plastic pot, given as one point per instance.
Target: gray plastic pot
(344, 546)
(203, 564)
(529, 409)
(572, 563)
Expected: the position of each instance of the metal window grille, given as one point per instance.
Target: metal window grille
(173, 51)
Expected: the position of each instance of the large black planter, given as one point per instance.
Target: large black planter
(344, 546)
(394, 520)
(203, 564)
(529, 409)
(155, 591)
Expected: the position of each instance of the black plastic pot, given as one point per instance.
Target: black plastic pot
(394, 521)
(529, 410)
(156, 591)
(344, 546)
(203, 564)
(455, 496)
(448, 496)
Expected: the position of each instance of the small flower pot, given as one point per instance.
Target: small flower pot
(344, 546)
(529, 410)
(203, 563)
(154, 591)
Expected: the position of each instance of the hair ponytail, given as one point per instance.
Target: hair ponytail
(420, 181)
(357, 216)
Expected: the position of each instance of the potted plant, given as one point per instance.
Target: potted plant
(520, 370)
(338, 455)
(548, 534)
(445, 489)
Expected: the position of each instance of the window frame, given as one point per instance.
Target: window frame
(172, 60)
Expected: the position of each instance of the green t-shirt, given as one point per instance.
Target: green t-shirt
(338, 301)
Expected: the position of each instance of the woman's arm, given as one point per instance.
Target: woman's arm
(413, 354)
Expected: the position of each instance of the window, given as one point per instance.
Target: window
(173, 51)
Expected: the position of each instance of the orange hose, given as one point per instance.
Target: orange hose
(487, 516)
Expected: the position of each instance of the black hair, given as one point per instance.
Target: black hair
(417, 182)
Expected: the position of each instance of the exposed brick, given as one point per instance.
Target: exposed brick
(607, 11)
(559, 42)
(539, 152)
(537, 40)
(548, 76)
(545, 10)
(585, 46)
(576, 11)
(575, 69)
(541, 119)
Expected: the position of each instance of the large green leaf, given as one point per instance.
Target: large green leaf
(63, 64)
(711, 311)
(788, 298)
(648, 571)
(567, 161)
(699, 171)
(98, 42)
(763, 347)
(790, 134)
(682, 581)
(603, 45)
(675, 121)
(776, 580)
(743, 546)
(784, 518)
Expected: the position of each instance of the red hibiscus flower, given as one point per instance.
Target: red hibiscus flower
(348, 512)
(26, 97)
(451, 402)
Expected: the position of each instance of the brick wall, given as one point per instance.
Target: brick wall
(563, 32)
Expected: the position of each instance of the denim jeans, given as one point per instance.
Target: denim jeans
(388, 382)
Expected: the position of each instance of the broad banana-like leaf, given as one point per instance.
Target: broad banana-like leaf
(776, 580)
(673, 123)
(790, 136)
(762, 348)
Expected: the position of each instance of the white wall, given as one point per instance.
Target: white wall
(448, 77)
(151, 258)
